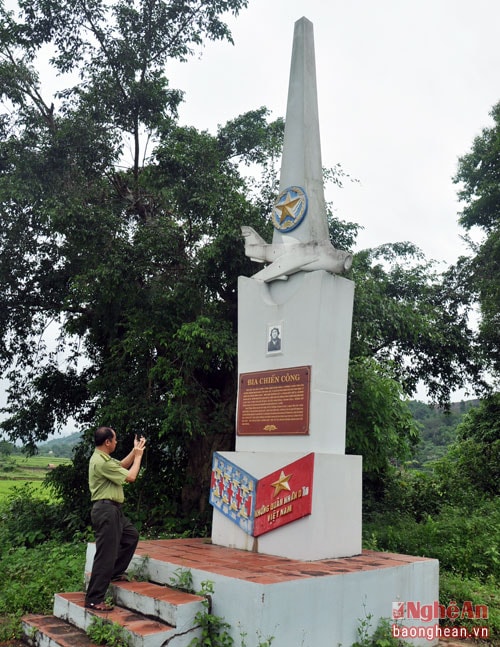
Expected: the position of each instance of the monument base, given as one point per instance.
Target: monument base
(298, 603)
(332, 530)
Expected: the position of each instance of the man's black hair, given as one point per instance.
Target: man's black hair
(102, 434)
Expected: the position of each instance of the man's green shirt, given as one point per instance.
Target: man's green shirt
(106, 477)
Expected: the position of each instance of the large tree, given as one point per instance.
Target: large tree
(478, 177)
(410, 330)
(132, 263)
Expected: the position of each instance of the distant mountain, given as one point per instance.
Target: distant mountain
(62, 447)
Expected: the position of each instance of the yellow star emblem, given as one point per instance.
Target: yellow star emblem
(287, 207)
(281, 483)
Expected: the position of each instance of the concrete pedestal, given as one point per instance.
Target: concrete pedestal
(332, 530)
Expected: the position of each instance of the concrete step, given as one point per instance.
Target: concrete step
(163, 603)
(140, 630)
(49, 631)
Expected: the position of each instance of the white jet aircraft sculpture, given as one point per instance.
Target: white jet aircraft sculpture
(301, 240)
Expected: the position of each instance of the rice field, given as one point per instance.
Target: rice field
(16, 471)
(7, 486)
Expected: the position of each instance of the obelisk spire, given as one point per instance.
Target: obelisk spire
(301, 240)
(301, 160)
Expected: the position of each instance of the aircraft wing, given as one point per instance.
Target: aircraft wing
(284, 265)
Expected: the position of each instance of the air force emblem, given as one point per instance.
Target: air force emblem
(289, 209)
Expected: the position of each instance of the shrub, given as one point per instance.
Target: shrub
(28, 519)
(459, 589)
(466, 544)
(413, 493)
(30, 577)
(103, 632)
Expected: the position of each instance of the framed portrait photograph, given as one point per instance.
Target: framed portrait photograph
(274, 341)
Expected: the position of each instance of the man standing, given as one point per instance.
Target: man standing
(115, 536)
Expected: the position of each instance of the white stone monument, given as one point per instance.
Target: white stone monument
(289, 490)
(300, 299)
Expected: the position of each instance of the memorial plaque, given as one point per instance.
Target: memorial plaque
(274, 402)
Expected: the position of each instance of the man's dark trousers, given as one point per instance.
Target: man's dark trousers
(116, 540)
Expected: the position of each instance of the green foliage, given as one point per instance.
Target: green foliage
(465, 542)
(410, 327)
(8, 465)
(467, 548)
(140, 569)
(451, 512)
(476, 590)
(482, 424)
(380, 637)
(266, 642)
(182, 578)
(102, 632)
(214, 630)
(28, 519)
(250, 138)
(6, 448)
(70, 485)
(34, 560)
(477, 175)
(30, 576)
(60, 447)
(15, 470)
(458, 464)
(473, 463)
(410, 492)
(464, 475)
(263, 642)
(416, 321)
(470, 470)
(136, 264)
(7, 486)
(380, 426)
(134, 260)
(437, 429)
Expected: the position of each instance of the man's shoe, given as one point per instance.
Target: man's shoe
(121, 578)
(99, 606)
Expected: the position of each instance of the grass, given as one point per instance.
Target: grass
(17, 470)
(40, 461)
(24, 466)
(7, 487)
(30, 577)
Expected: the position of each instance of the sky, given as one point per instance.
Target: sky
(404, 87)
